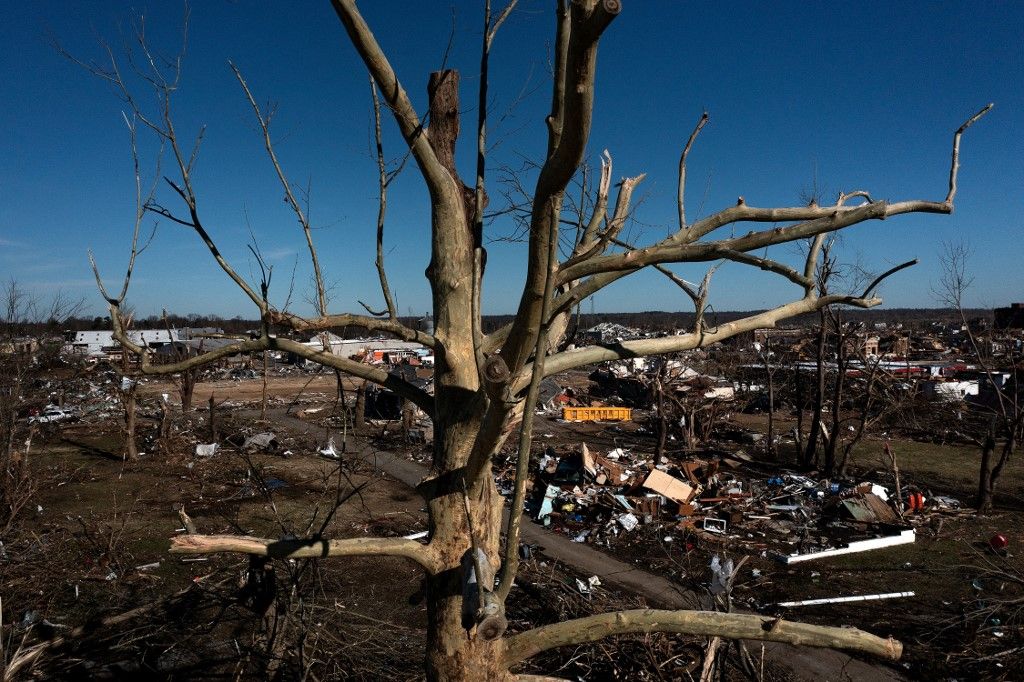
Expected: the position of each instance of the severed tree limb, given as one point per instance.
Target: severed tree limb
(955, 163)
(589, 236)
(418, 396)
(421, 398)
(708, 623)
(422, 554)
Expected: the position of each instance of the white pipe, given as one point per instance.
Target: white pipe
(841, 600)
(905, 536)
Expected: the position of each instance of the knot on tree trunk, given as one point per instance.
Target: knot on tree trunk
(496, 370)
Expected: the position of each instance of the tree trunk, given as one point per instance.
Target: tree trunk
(801, 403)
(811, 453)
(984, 503)
(263, 400)
(186, 386)
(659, 387)
(838, 388)
(165, 427)
(360, 409)
(991, 477)
(213, 420)
(771, 413)
(455, 652)
(131, 448)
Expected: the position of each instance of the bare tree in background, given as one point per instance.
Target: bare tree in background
(487, 384)
(24, 354)
(1006, 424)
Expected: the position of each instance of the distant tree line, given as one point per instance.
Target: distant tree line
(658, 320)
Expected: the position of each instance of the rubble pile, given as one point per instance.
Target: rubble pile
(717, 499)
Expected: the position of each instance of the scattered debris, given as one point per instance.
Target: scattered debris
(204, 450)
(329, 451)
(265, 442)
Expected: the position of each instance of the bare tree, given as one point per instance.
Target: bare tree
(23, 358)
(486, 384)
(1006, 413)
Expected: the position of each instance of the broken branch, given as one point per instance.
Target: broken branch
(307, 548)
(702, 623)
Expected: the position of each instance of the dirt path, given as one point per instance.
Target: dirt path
(812, 665)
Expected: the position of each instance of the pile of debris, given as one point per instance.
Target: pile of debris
(719, 499)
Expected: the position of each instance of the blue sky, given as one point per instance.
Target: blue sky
(862, 97)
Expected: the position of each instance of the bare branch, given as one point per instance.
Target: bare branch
(615, 225)
(435, 175)
(767, 264)
(511, 560)
(570, 129)
(954, 166)
(492, 27)
(578, 357)
(681, 196)
(308, 548)
(687, 287)
(815, 220)
(289, 195)
(600, 205)
(382, 185)
(326, 322)
(811, 265)
(702, 623)
(891, 271)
